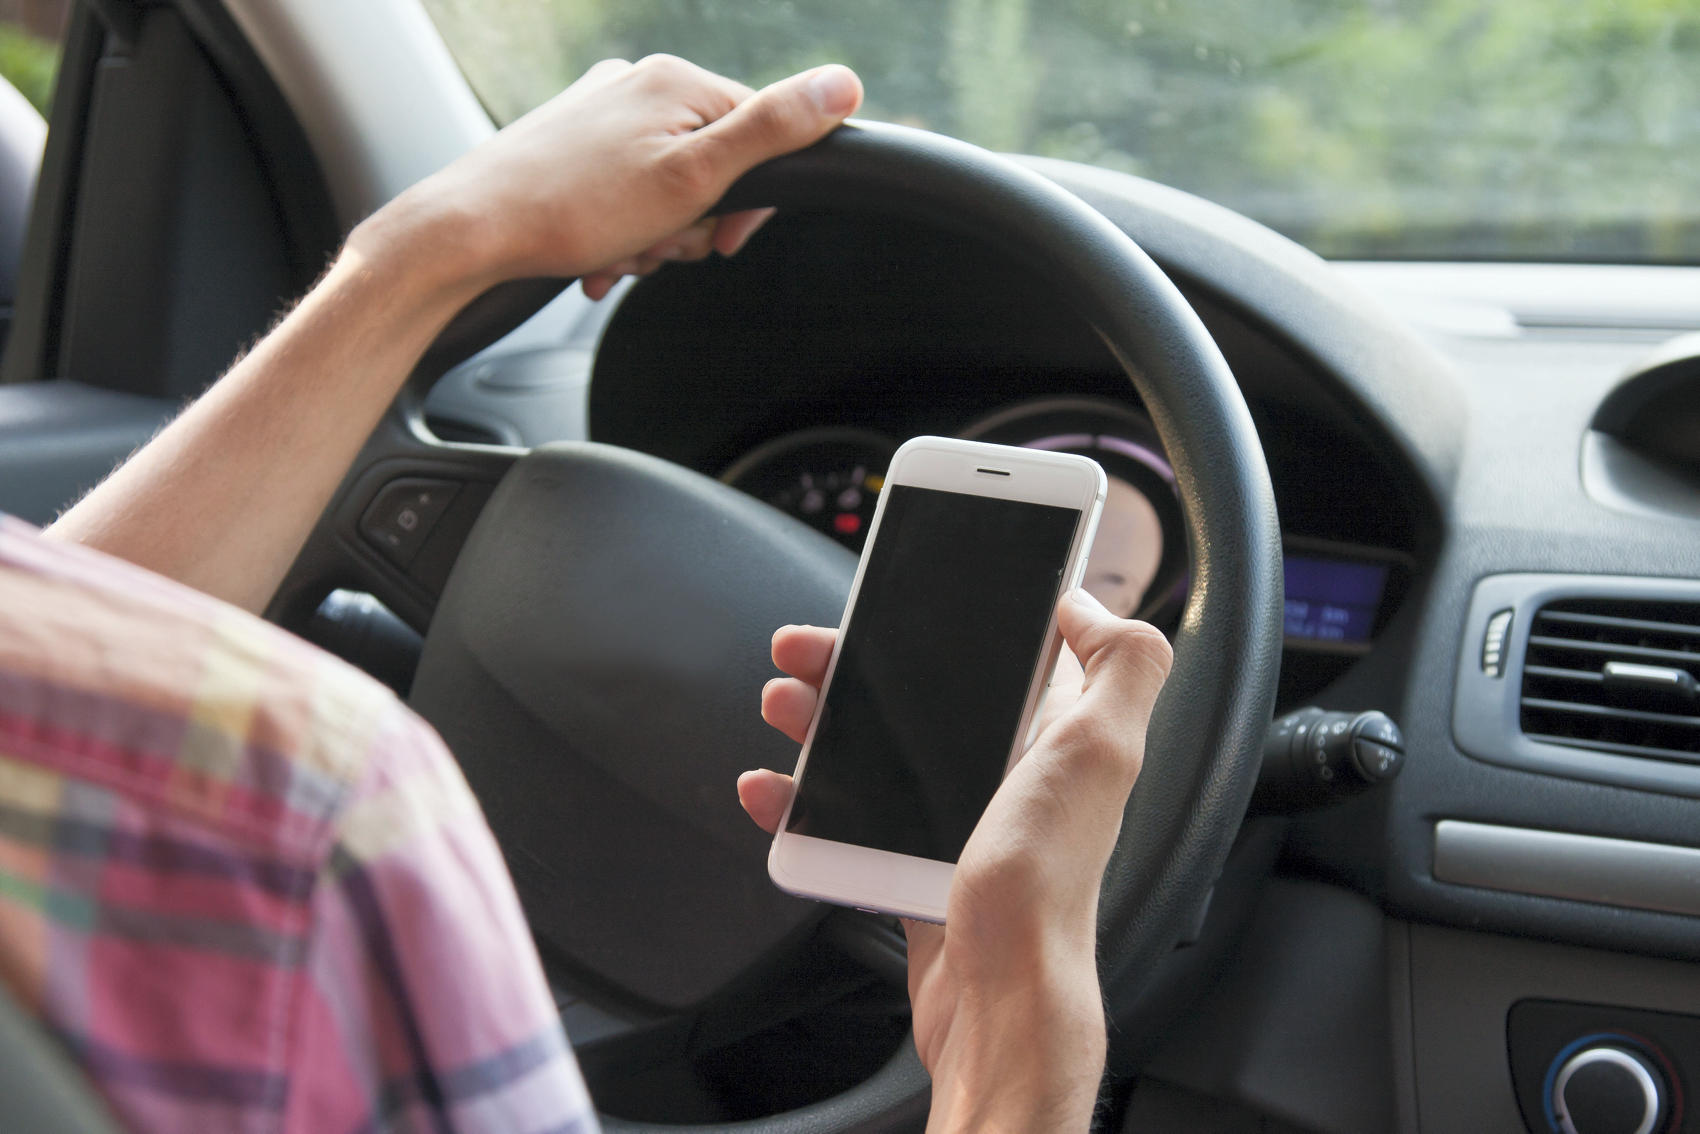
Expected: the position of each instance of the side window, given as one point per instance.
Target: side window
(31, 32)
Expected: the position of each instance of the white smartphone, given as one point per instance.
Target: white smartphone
(941, 665)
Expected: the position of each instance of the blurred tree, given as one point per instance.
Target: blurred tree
(994, 79)
(1433, 128)
(30, 31)
(30, 64)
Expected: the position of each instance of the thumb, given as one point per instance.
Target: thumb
(785, 116)
(765, 795)
(1128, 658)
(1101, 737)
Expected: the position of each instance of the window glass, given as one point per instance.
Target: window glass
(30, 34)
(1525, 129)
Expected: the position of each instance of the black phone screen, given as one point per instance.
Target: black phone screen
(934, 669)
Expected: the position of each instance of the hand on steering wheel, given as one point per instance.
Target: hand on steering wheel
(612, 176)
(1008, 1015)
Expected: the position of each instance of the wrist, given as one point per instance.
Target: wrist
(1021, 1063)
(423, 238)
(1060, 1098)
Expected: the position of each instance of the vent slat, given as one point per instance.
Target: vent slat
(1557, 674)
(1544, 641)
(1675, 720)
(1647, 751)
(1565, 698)
(1610, 622)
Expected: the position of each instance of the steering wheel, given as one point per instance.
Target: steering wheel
(598, 621)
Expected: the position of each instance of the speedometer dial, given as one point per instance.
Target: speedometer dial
(828, 478)
(1138, 563)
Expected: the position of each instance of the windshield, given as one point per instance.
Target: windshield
(1430, 129)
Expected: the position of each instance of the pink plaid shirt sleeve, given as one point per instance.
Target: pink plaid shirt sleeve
(243, 884)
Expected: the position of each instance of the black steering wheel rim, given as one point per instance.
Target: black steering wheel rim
(1204, 743)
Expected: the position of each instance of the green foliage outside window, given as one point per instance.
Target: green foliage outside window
(1539, 129)
(29, 63)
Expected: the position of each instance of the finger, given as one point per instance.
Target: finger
(1102, 737)
(691, 243)
(735, 229)
(1134, 656)
(765, 795)
(595, 79)
(618, 268)
(789, 705)
(925, 940)
(804, 651)
(785, 116)
(705, 94)
(597, 285)
(601, 74)
(1068, 674)
(1065, 688)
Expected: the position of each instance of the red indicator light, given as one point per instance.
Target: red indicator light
(847, 523)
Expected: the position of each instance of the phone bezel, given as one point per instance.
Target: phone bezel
(900, 884)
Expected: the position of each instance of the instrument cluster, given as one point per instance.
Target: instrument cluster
(1338, 595)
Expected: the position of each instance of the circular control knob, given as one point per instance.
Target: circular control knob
(1378, 747)
(1606, 1089)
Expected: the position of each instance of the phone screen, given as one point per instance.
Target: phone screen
(933, 672)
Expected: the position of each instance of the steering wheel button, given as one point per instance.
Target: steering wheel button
(401, 516)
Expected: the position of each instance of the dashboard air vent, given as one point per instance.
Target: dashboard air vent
(1615, 675)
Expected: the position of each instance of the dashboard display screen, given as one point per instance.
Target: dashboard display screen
(1332, 600)
(931, 680)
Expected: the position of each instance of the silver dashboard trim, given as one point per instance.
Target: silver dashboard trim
(1582, 868)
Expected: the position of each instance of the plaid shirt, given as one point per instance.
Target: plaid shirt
(245, 886)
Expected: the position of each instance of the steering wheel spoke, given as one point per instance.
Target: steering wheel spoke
(823, 986)
(397, 524)
(619, 1042)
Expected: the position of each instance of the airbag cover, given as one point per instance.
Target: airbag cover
(602, 703)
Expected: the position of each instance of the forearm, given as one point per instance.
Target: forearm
(611, 176)
(226, 495)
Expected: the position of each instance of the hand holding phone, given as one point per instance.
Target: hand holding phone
(1007, 1009)
(937, 676)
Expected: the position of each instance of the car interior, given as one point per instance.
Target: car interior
(1417, 845)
